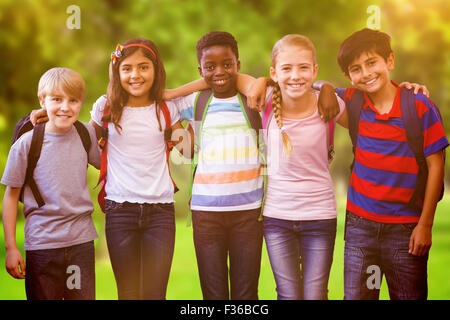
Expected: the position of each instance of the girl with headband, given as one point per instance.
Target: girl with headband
(139, 199)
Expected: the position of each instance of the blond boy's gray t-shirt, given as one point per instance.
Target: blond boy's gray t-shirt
(60, 175)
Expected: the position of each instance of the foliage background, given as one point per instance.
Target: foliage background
(34, 37)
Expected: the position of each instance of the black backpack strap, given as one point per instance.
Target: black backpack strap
(354, 107)
(84, 135)
(414, 135)
(200, 104)
(33, 157)
(253, 116)
(199, 110)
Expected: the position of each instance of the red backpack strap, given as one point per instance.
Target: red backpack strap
(168, 137)
(267, 113)
(104, 160)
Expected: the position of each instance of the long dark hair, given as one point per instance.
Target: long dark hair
(117, 96)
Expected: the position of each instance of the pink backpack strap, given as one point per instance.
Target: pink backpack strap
(167, 137)
(267, 113)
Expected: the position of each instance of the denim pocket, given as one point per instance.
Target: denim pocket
(353, 219)
(168, 208)
(409, 227)
(112, 205)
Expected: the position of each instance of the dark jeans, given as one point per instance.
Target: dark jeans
(236, 235)
(371, 247)
(301, 254)
(64, 273)
(140, 239)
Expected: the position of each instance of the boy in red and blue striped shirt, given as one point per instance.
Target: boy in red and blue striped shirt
(383, 232)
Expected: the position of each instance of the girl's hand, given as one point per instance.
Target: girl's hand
(328, 103)
(38, 116)
(256, 95)
(417, 87)
(15, 265)
(420, 240)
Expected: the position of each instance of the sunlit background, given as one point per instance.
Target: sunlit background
(38, 35)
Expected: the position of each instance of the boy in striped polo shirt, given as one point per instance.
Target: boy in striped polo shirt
(383, 233)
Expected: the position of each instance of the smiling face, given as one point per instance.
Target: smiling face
(62, 111)
(294, 70)
(137, 75)
(370, 71)
(219, 67)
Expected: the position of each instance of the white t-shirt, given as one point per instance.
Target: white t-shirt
(137, 169)
(228, 172)
(300, 188)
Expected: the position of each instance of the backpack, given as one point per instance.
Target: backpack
(413, 130)
(24, 125)
(268, 116)
(104, 147)
(201, 105)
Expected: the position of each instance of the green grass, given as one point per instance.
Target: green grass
(184, 282)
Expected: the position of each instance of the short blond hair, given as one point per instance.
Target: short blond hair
(65, 80)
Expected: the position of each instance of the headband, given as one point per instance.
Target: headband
(118, 52)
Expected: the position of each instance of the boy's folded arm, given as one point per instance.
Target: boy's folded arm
(317, 85)
(253, 89)
(328, 103)
(186, 89)
(420, 241)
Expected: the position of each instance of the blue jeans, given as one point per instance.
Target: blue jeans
(234, 234)
(301, 254)
(64, 273)
(373, 249)
(140, 239)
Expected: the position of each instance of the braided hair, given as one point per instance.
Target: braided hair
(277, 112)
(295, 40)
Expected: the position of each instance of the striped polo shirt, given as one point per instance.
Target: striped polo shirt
(228, 173)
(385, 171)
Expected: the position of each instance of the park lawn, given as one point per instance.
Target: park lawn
(184, 282)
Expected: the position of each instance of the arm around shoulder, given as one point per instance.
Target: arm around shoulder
(186, 89)
(328, 103)
(253, 89)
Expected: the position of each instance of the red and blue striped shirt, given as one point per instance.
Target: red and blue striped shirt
(384, 175)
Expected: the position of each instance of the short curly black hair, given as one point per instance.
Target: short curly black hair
(364, 40)
(217, 38)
